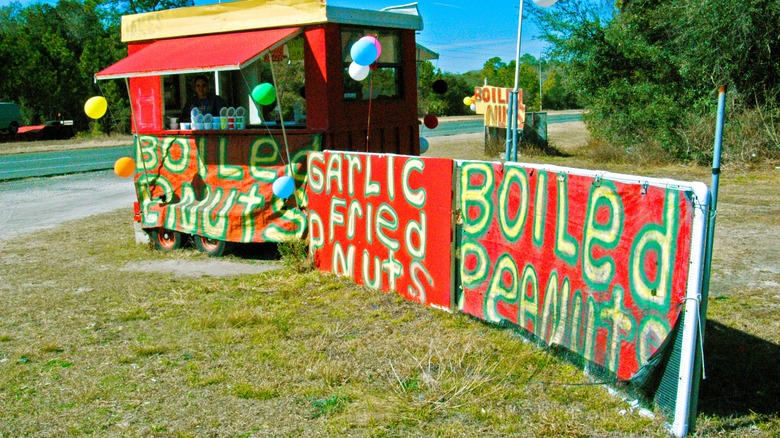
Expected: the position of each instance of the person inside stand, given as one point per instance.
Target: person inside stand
(203, 99)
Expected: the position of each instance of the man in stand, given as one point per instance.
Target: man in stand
(204, 100)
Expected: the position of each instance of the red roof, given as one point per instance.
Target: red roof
(227, 51)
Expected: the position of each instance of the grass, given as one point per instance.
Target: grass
(90, 348)
(118, 352)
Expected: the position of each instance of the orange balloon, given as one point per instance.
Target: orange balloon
(124, 167)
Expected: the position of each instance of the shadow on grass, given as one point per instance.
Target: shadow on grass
(742, 374)
(494, 148)
(257, 251)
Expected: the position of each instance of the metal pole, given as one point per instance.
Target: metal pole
(540, 81)
(515, 114)
(509, 110)
(713, 198)
(514, 106)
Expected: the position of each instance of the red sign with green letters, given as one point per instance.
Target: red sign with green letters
(596, 266)
(384, 221)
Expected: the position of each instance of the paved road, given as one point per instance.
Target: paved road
(81, 160)
(58, 163)
(38, 203)
(477, 125)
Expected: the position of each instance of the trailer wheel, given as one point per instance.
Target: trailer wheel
(166, 240)
(212, 247)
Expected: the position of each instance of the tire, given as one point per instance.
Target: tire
(166, 240)
(13, 128)
(212, 247)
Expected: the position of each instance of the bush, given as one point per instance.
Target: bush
(751, 135)
(295, 255)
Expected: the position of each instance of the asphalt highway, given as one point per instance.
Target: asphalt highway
(19, 166)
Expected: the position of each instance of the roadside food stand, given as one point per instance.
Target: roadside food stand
(215, 184)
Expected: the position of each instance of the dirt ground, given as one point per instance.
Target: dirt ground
(567, 137)
(742, 342)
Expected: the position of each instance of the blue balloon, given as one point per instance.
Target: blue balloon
(423, 145)
(284, 186)
(364, 52)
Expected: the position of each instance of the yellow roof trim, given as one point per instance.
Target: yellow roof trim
(222, 17)
(257, 14)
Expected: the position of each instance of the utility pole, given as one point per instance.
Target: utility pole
(540, 81)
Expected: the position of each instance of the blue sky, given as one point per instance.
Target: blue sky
(464, 32)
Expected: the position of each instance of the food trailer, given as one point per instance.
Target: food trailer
(214, 180)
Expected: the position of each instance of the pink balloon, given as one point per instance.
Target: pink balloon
(376, 43)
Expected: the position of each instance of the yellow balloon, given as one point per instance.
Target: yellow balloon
(95, 107)
(467, 101)
(124, 167)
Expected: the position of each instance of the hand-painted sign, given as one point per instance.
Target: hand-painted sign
(208, 186)
(596, 265)
(493, 103)
(385, 221)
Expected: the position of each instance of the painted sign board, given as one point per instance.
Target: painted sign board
(209, 186)
(493, 102)
(384, 221)
(602, 265)
(606, 267)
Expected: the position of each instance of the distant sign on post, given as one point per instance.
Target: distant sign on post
(493, 101)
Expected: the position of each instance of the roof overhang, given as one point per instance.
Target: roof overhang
(425, 54)
(200, 53)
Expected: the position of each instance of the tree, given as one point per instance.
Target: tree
(451, 102)
(500, 74)
(645, 68)
(555, 94)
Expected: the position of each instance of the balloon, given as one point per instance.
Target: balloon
(375, 41)
(363, 52)
(430, 121)
(358, 72)
(439, 86)
(283, 187)
(124, 167)
(473, 107)
(468, 100)
(544, 3)
(264, 94)
(424, 145)
(95, 107)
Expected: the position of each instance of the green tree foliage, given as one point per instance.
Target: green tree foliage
(50, 55)
(501, 74)
(112, 10)
(451, 102)
(556, 95)
(646, 69)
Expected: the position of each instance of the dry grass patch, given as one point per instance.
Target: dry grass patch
(110, 351)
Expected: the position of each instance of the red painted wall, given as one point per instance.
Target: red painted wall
(385, 221)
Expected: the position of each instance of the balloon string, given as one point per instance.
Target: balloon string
(370, 99)
(112, 117)
(281, 122)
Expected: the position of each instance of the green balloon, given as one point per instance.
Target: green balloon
(264, 94)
